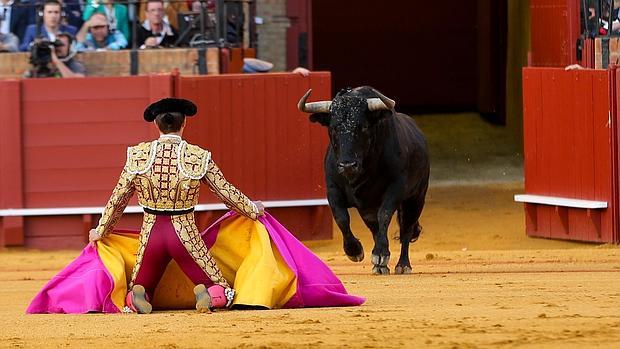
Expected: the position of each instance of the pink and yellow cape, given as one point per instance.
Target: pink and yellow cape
(263, 261)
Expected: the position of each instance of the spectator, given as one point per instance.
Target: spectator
(51, 25)
(95, 35)
(604, 19)
(171, 11)
(114, 12)
(155, 31)
(17, 15)
(9, 42)
(62, 64)
(615, 22)
(62, 57)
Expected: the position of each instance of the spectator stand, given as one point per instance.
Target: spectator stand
(213, 39)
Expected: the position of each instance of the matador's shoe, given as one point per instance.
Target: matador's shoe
(215, 297)
(138, 301)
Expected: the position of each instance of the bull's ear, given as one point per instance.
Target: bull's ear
(379, 115)
(321, 118)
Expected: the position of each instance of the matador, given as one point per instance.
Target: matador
(166, 175)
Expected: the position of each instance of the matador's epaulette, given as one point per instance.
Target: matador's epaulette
(193, 161)
(140, 157)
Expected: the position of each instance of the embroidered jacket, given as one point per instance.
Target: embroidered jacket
(166, 174)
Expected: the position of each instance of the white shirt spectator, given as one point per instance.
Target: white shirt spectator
(5, 16)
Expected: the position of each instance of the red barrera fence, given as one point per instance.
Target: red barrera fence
(554, 30)
(62, 146)
(571, 154)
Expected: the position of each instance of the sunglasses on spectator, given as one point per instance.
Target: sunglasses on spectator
(98, 26)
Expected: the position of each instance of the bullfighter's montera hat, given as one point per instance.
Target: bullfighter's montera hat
(170, 105)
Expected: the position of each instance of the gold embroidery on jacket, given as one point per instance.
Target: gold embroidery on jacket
(164, 187)
(145, 232)
(193, 160)
(140, 157)
(116, 204)
(231, 196)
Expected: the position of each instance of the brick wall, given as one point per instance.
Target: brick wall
(272, 33)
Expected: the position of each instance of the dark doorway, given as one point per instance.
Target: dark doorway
(430, 56)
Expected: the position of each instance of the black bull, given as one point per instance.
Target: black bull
(377, 162)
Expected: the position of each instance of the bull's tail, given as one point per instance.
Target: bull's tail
(417, 230)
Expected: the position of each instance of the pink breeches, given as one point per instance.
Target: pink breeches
(163, 246)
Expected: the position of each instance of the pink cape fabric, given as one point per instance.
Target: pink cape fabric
(85, 285)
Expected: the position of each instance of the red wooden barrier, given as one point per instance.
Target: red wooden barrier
(63, 143)
(11, 167)
(262, 142)
(570, 153)
(554, 31)
(587, 58)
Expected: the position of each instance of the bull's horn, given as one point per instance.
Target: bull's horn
(313, 107)
(380, 103)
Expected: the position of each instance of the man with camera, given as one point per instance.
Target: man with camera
(51, 25)
(54, 59)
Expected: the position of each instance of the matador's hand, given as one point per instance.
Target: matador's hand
(93, 235)
(261, 207)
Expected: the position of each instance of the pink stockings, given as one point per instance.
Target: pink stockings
(163, 246)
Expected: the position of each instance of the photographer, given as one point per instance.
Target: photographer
(54, 59)
(62, 57)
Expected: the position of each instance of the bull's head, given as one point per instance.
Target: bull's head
(350, 118)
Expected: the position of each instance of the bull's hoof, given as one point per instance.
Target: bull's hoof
(379, 270)
(380, 261)
(354, 250)
(401, 270)
(358, 258)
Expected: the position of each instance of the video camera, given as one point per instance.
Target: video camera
(41, 56)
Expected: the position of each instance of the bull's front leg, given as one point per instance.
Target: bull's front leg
(351, 245)
(381, 251)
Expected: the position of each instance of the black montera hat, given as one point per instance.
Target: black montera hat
(170, 105)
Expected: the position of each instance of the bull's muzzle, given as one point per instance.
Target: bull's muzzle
(348, 168)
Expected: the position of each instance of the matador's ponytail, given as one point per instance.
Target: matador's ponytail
(169, 122)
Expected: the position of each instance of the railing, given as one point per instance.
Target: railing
(600, 28)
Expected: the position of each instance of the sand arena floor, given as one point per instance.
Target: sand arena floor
(478, 282)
